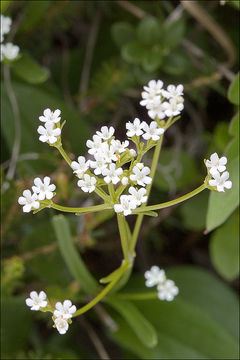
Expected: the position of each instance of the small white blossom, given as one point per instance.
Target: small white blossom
(124, 180)
(118, 146)
(106, 133)
(154, 276)
(43, 189)
(61, 325)
(112, 174)
(108, 153)
(140, 165)
(134, 128)
(140, 176)
(153, 89)
(65, 309)
(172, 108)
(29, 201)
(132, 152)
(99, 164)
(37, 301)
(9, 51)
(156, 109)
(174, 92)
(94, 145)
(80, 166)
(6, 23)
(127, 204)
(48, 133)
(52, 116)
(216, 164)
(138, 195)
(87, 184)
(220, 181)
(152, 131)
(167, 291)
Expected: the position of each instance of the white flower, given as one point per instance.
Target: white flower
(172, 108)
(52, 116)
(37, 301)
(6, 23)
(9, 51)
(124, 180)
(156, 109)
(132, 152)
(65, 309)
(29, 201)
(138, 195)
(87, 184)
(220, 181)
(167, 291)
(140, 165)
(174, 92)
(140, 176)
(43, 189)
(108, 153)
(105, 133)
(154, 88)
(80, 166)
(118, 146)
(112, 174)
(127, 204)
(99, 164)
(134, 128)
(95, 145)
(216, 164)
(152, 131)
(61, 325)
(48, 133)
(154, 276)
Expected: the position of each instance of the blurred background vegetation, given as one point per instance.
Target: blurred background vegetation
(90, 59)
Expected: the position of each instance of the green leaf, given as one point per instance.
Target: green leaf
(224, 248)
(152, 60)
(133, 52)
(4, 5)
(71, 257)
(27, 69)
(221, 205)
(199, 324)
(140, 325)
(149, 30)
(194, 211)
(122, 33)
(234, 125)
(173, 33)
(176, 63)
(233, 91)
(34, 13)
(16, 322)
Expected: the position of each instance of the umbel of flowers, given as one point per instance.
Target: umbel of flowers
(9, 51)
(116, 172)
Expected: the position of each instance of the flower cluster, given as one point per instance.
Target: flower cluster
(9, 51)
(215, 167)
(41, 190)
(166, 288)
(162, 103)
(51, 130)
(62, 313)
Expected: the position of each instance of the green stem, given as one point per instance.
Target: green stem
(64, 155)
(104, 292)
(81, 209)
(111, 192)
(122, 225)
(140, 216)
(172, 202)
(138, 296)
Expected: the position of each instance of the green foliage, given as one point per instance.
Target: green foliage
(224, 248)
(139, 324)
(71, 257)
(11, 276)
(27, 69)
(194, 210)
(122, 33)
(233, 92)
(180, 324)
(34, 14)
